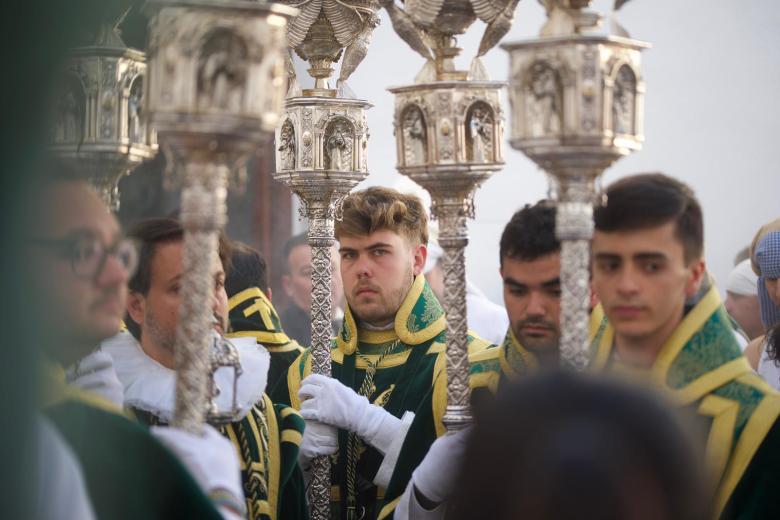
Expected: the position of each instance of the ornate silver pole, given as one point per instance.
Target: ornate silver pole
(215, 94)
(577, 102)
(100, 128)
(321, 155)
(449, 128)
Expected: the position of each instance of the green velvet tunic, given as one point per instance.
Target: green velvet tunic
(410, 376)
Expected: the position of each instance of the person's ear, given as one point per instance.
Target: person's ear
(270, 294)
(136, 307)
(420, 255)
(695, 278)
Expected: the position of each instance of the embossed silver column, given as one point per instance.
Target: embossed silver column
(215, 92)
(577, 100)
(321, 155)
(449, 133)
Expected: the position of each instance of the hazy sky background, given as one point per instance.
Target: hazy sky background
(711, 113)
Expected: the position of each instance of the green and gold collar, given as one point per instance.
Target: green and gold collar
(515, 360)
(419, 319)
(253, 315)
(700, 355)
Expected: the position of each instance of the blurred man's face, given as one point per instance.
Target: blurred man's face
(378, 270)
(642, 280)
(80, 311)
(532, 295)
(297, 282)
(744, 308)
(157, 312)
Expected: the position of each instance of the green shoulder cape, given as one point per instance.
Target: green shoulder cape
(701, 367)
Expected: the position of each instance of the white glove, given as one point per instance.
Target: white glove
(318, 439)
(326, 400)
(210, 458)
(95, 373)
(435, 476)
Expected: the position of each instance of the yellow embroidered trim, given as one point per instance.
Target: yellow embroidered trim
(266, 338)
(389, 361)
(350, 345)
(487, 380)
(604, 348)
(689, 326)
(286, 412)
(294, 379)
(389, 508)
(292, 436)
(530, 360)
(377, 337)
(711, 380)
(274, 461)
(439, 398)
(335, 494)
(761, 420)
(724, 419)
(596, 317)
(402, 317)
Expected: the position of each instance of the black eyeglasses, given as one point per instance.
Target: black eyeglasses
(87, 253)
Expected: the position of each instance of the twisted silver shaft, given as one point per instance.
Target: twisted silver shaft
(203, 214)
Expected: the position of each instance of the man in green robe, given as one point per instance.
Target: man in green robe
(266, 437)
(253, 315)
(530, 260)
(647, 265)
(388, 361)
(81, 264)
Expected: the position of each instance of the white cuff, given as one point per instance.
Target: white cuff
(393, 449)
(408, 507)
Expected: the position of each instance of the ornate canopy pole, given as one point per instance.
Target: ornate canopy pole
(577, 103)
(216, 74)
(321, 155)
(100, 129)
(449, 132)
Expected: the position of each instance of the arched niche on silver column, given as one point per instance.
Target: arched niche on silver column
(577, 103)
(100, 128)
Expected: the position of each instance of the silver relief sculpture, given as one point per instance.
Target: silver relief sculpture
(415, 145)
(452, 149)
(329, 144)
(215, 94)
(577, 101)
(99, 97)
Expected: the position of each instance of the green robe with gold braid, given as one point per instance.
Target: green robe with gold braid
(409, 364)
(266, 436)
(702, 368)
(253, 315)
(493, 367)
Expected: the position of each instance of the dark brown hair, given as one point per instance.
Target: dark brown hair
(148, 236)
(650, 200)
(530, 234)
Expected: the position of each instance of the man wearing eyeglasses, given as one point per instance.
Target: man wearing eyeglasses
(80, 265)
